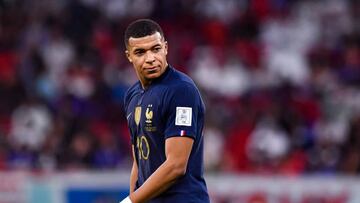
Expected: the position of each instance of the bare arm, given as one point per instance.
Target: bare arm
(134, 172)
(177, 150)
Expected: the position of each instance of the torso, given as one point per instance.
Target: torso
(151, 121)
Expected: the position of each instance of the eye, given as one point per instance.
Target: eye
(156, 49)
(139, 53)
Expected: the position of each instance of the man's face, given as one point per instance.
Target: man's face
(148, 56)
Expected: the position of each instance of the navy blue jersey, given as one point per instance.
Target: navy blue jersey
(170, 106)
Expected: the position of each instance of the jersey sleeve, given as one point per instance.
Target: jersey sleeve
(182, 106)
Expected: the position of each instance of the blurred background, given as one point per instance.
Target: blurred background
(280, 79)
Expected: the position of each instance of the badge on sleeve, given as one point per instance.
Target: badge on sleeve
(183, 116)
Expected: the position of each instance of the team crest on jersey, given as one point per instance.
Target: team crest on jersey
(137, 115)
(149, 114)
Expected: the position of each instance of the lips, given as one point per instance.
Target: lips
(151, 69)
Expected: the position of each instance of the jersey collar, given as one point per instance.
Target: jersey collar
(163, 76)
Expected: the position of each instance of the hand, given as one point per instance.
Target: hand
(126, 200)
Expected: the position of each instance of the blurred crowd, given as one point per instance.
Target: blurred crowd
(280, 79)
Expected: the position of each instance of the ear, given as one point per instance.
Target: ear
(128, 56)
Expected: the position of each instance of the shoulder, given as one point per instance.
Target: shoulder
(182, 88)
(180, 82)
(131, 92)
(183, 77)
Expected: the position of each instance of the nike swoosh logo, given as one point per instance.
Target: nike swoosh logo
(128, 116)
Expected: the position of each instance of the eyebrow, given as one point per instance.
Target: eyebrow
(142, 49)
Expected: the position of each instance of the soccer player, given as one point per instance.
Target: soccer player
(165, 115)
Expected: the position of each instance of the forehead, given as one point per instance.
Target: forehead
(145, 42)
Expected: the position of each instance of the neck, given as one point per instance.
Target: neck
(145, 83)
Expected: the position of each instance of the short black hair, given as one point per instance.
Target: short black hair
(141, 28)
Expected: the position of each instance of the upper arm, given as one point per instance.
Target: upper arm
(178, 150)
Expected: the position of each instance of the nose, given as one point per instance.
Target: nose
(150, 58)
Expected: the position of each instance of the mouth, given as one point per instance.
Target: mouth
(153, 69)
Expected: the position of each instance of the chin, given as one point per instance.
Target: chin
(153, 76)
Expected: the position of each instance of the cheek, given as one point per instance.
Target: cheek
(162, 57)
(138, 62)
(137, 66)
